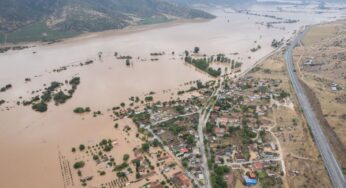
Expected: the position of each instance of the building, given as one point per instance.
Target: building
(249, 181)
(156, 184)
(219, 131)
(180, 180)
(257, 166)
(308, 62)
(222, 121)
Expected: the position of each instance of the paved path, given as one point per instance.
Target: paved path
(332, 166)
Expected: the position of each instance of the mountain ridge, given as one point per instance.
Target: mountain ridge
(49, 17)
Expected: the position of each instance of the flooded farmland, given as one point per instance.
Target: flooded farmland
(30, 141)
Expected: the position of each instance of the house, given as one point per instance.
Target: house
(308, 62)
(251, 175)
(249, 181)
(229, 180)
(222, 121)
(334, 87)
(184, 150)
(257, 166)
(239, 157)
(219, 131)
(273, 146)
(180, 180)
(216, 108)
(156, 184)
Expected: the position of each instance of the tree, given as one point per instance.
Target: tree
(128, 62)
(81, 147)
(156, 143)
(79, 164)
(190, 139)
(145, 147)
(73, 150)
(196, 50)
(126, 157)
(121, 174)
(40, 107)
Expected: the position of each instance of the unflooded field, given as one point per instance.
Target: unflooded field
(30, 141)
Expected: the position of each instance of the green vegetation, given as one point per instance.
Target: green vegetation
(203, 65)
(128, 63)
(5, 88)
(106, 145)
(148, 98)
(77, 16)
(180, 109)
(217, 179)
(145, 147)
(141, 118)
(80, 110)
(121, 167)
(121, 174)
(247, 135)
(196, 50)
(36, 32)
(60, 98)
(154, 20)
(79, 164)
(126, 157)
(81, 147)
(40, 107)
(39, 104)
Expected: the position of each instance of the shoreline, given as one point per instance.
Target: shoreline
(108, 33)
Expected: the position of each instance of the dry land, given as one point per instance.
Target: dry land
(303, 163)
(321, 63)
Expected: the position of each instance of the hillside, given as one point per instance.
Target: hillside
(50, 19)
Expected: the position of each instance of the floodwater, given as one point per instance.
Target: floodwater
(30, 141)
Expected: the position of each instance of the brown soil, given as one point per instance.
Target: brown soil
(338, 147)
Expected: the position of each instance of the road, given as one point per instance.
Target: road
(203, 118)
(332, 166)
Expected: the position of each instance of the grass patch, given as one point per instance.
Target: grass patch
(36, 32)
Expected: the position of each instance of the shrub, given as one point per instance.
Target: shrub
(40, 107)
(81, 147)
(79, 164)
(126, 157)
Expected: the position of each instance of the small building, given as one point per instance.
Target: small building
(308, 62)
(184, 150)
(222, 121)
(219, 131)
(180, 180)
(249, 181)
(239, 157)
(273, 146)
(334, 87)
(156, 184)
(257, 166)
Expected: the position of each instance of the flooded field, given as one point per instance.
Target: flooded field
(30, 141)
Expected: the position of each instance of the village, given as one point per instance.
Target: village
(239, 136)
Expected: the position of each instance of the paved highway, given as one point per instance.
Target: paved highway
(332, 166)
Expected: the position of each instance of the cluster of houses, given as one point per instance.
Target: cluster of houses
(242, 110)
(237, 133)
